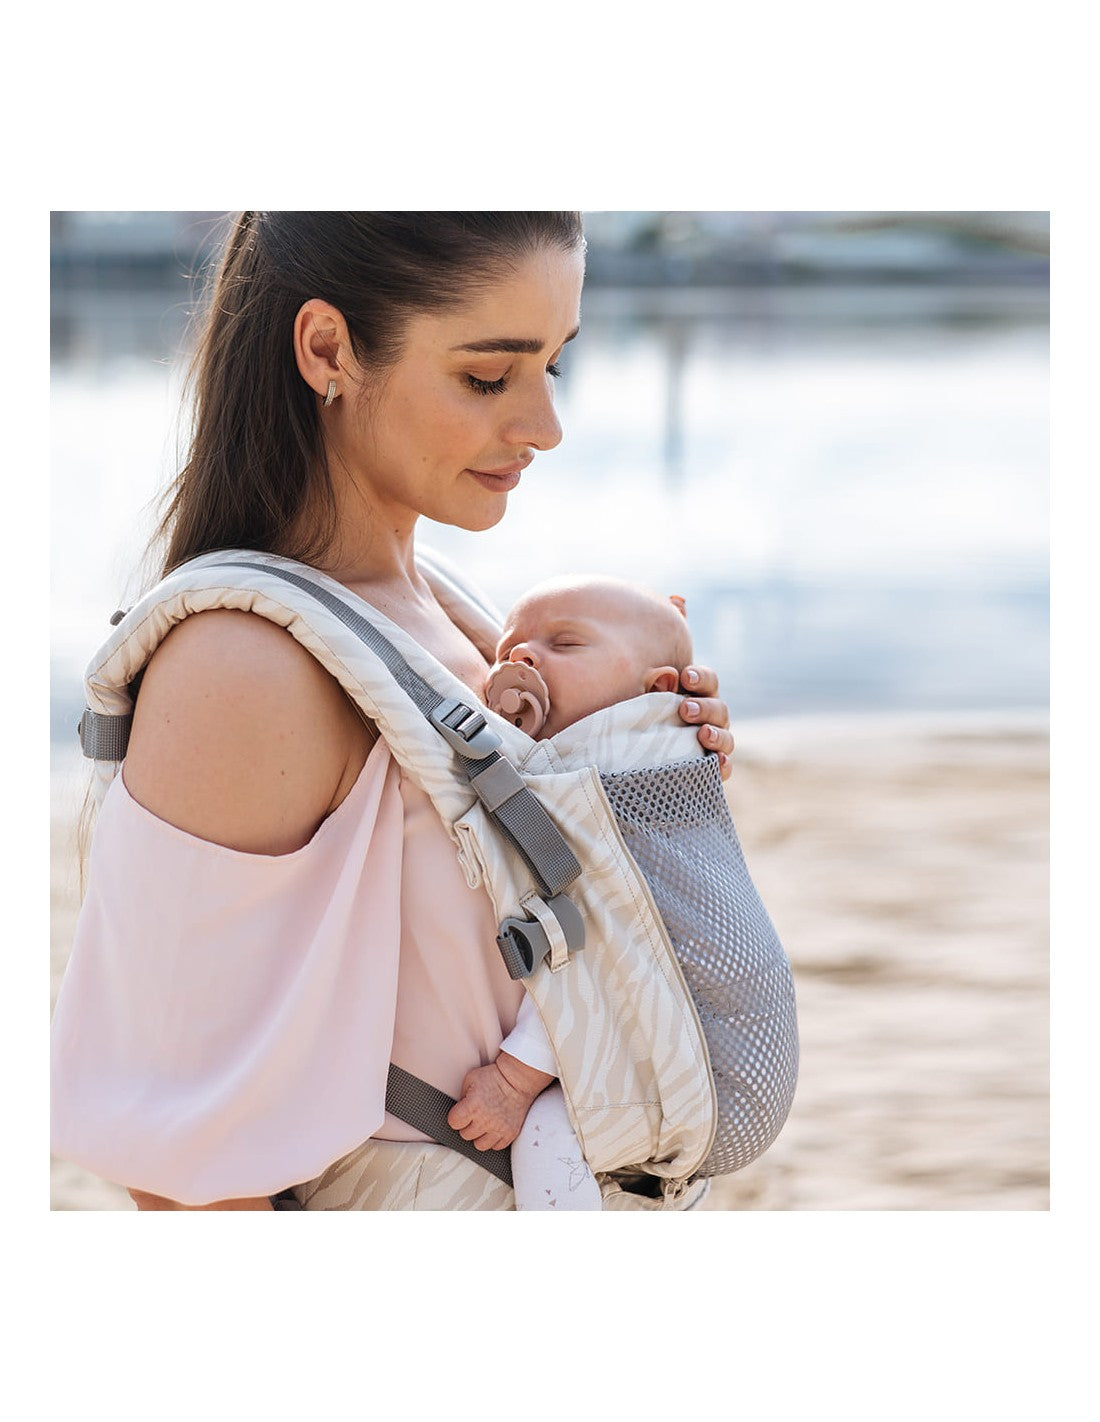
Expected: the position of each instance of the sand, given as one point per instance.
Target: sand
(905, 864)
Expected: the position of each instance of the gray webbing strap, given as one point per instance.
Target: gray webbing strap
(426, 1107)
(104, 737)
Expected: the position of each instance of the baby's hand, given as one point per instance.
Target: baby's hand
(495, 1100)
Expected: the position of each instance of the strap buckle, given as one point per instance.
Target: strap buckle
(555, 928)
(464, 729)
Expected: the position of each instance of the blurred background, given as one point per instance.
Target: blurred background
(829, 431)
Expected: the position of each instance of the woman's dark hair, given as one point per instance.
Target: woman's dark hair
(256, 458)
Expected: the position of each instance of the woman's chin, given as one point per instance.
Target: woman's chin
(478, 520)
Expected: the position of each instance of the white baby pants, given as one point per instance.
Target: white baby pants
(549, 1171)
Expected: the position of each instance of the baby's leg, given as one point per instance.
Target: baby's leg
(549, 1171)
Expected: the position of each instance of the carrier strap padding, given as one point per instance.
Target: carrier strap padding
(426, 1107)
(425, 697)
(521, 816)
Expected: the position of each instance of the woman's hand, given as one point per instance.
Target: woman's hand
(705, 710)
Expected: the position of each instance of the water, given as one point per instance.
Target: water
(850, 486)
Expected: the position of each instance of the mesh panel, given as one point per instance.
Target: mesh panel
(676, 824)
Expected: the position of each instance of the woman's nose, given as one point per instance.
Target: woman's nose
(536, 424)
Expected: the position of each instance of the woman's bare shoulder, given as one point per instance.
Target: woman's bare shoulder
(240, 736)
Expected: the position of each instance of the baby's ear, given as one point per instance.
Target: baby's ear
(662, 679)
(679, 604)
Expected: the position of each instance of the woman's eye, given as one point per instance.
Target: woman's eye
(487, 387)
(554, 369)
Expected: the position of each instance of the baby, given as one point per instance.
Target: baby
(570, 647)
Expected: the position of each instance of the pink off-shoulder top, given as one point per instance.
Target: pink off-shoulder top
(226, 1022)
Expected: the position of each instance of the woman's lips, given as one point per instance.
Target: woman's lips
(501, 480)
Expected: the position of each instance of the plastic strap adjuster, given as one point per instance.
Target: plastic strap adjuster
(465, 729)
(498, 782)
(525, 942)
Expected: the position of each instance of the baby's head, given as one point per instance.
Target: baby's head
(595, 641)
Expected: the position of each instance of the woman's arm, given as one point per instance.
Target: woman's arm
(240, 737)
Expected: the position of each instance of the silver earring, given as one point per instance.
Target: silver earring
(331, 395)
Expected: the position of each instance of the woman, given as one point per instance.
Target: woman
(357, 371)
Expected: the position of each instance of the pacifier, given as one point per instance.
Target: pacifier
(515, 691)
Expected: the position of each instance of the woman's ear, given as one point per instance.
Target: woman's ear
(662, 679)
(320, 338)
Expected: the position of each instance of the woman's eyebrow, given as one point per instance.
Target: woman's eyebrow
(510, 345)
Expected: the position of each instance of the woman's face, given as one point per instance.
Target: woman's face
(448, 430)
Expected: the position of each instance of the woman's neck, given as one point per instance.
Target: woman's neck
(375, 559)
(370, 546)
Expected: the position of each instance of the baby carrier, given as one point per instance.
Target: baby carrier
(608, 853)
